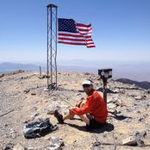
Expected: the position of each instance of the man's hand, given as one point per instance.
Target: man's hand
(80, 104)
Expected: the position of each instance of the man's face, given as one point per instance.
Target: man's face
(87, 88)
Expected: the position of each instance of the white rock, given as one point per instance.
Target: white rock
(139, 97)
(55, 143)
(111, 106)
(131, 141)
(117, 90)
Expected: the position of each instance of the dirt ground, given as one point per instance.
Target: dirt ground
(24, 98)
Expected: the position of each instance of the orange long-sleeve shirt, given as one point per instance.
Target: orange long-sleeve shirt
(95, 106)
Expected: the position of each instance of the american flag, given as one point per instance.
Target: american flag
(70, 32)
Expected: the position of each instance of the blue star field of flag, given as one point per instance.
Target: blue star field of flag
(67, 25)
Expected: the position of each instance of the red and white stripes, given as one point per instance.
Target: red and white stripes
(81, 37)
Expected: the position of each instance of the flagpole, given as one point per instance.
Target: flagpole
(56, 44)
(51, 46)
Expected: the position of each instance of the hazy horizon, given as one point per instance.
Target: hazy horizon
(134, 71)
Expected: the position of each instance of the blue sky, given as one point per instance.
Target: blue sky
(121, 30)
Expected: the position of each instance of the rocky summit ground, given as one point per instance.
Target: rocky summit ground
(24, 98)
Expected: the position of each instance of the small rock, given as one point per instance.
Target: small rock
(74, 141)
(43, 76)
(145, 115)
(148, 91)
(138, 97)
(34, 115)
(18, 71)
(131, 141)
(9, 146)
(6, 125)
(138, 111)
(1, 75)
(13, 133)
(78, 94)
(18, 147)
(111, 106)
(26, 91)
(34, 109)
(118, 102)
(46, 90)
(129, 109)
(26, 121)
(33, 93)
(140, 142)
(96, 146)
(56, 143)
(141, 135)
(116, 90)
(86, 73)
(136, 140)
(104, 134)
(140, 119)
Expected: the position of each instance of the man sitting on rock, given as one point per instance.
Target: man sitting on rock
(94, 108)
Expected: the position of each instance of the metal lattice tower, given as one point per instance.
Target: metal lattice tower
(51, 46)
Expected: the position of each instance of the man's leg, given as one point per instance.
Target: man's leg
(85, 119)
(61, 119)
(69, 116)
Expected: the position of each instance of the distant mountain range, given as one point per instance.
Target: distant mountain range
(8, 67)
(143, 84)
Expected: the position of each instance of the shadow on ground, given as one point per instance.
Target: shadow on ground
(106, 127)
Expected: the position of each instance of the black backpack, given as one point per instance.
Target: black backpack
(38, 128)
